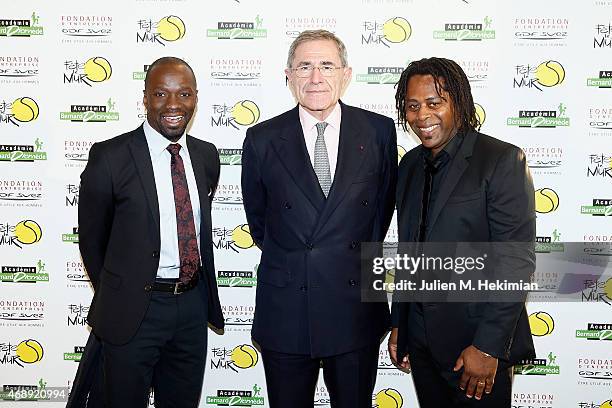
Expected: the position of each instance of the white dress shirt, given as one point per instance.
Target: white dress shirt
(169, 263)
(332, 135)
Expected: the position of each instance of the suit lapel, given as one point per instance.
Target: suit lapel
(144, 167)
(291, 150)
(353, 150)
(457, 167)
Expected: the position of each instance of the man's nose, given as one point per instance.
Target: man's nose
(172, 100)
(423, 113)
(316, 76)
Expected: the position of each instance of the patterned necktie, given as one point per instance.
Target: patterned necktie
(321, 160)
(189, 255)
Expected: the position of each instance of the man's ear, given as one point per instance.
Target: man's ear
(287, 75)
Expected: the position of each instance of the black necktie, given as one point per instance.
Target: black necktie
(430, 167)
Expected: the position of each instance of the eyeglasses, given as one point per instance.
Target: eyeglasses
(306, 70)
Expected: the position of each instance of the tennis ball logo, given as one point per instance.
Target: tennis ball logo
(25, 109)
(29, 351)
(28, 232)
(98, 69)
(606, 404)
(400, 153)
(607, 289)
(241, 235)
(389, 279)
(388, 398)
(541, 323)
(171, 28)
(481, 115)
(550, 73)
(546, 200)
(397, 30)
(245, 112)
(244, 356)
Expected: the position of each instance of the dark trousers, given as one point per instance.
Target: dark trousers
(350, 378)
(167, 353)
(438, 386)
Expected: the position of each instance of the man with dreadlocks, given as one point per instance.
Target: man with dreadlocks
(459, 185)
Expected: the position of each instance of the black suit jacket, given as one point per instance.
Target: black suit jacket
(308, 288)
(486, 196)
(119, 231)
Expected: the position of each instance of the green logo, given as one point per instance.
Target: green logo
(238, 279)
(237, 30)
(23, 153)
(540, 118)
(24, 274)
(603, 81)
(91, 113)
(381, 75)
(21, 28)
(72, 237)
(600, 207)
(241, 398)
(466, 31)
(74, 356)
(538, 366)
(596, 331)
(230, 157)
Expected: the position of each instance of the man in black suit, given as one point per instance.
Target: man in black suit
(459, 185)
(145, 239)
(317, 181)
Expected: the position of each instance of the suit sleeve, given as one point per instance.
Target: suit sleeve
(253, 190)
(511, 216)
(96, 211)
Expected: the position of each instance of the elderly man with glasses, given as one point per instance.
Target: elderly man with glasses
(317, 181)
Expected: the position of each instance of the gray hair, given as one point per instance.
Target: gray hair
(314, 35)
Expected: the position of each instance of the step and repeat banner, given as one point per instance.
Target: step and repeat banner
(71, 74)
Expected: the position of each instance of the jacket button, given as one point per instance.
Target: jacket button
(364, 203)
(155, 254)
(353, 245)
(148, 288)
(352, 282)
(288, 206)
(309, 246)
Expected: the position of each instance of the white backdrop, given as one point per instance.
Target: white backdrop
(71, 74)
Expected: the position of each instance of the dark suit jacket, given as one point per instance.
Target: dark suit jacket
(486, 196)
(308, 288)
(119, 231)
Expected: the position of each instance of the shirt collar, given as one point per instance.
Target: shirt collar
(450, 149)
(309, 122)
(157, 143)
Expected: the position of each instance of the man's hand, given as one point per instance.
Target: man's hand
(392, 345)
(479, 371)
